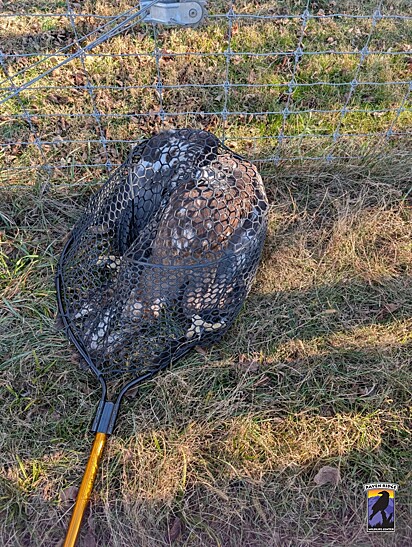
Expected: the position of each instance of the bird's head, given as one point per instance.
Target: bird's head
(384, 494)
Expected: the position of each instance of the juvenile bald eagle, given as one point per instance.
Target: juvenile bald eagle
(167, 248)
(126, 209)
(202, 240)
(143, 184)
(167, 160)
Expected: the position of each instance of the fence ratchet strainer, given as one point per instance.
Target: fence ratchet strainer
(160, 261)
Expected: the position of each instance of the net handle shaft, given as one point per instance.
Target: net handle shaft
(85, 490)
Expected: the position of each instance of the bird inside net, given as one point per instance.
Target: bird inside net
(160, 261)
(165, 253)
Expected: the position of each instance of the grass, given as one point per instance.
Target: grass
(129, 109)
(316, 371)
(223, 448)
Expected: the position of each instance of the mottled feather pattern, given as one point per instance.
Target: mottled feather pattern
(165, 253)
(205, 212)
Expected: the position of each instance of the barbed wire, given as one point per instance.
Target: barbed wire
(289, 53)
(270, 159)
(17, 87)
(97, 87)
(211, 113)
(61, 142)
(89, 86)
(220, 16)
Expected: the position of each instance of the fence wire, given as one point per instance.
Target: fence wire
(276, 81)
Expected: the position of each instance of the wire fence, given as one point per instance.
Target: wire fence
(276, 81)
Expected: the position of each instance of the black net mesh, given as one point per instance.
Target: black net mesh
(165, 253)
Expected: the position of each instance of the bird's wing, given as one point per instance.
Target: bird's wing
(207, 222)
(158, 181)
(154, 174)
(245, 203)
(202, 214)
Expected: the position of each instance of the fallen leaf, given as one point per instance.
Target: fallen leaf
(128, 456)
(387, 310)
(201, 350)
(327, 474)
(79, 78)
(132, 392)
(58, 99)
(59, 325)
(252, 77)
(174, 530)
(247, 364)
(68, 495)
(89, 540)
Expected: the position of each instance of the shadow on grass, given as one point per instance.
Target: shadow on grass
(230, 445)
(328, 308)
(228, 442)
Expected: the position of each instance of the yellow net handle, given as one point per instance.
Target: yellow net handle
(85, 490)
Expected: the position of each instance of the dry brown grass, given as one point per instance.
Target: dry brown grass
(222, 450)
(316, 371)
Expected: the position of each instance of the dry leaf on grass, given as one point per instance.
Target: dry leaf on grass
(89, 540)
(174, 531)
(201, 350)
(327, 474)
(68, 495)
(248, 364)
(133, 392)
(252, 77)
(387, 310)
(58, 324)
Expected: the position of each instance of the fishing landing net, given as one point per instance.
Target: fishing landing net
(160, 261)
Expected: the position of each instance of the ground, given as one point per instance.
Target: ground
(223, 448)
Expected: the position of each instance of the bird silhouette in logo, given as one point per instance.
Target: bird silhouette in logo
(380, 505)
